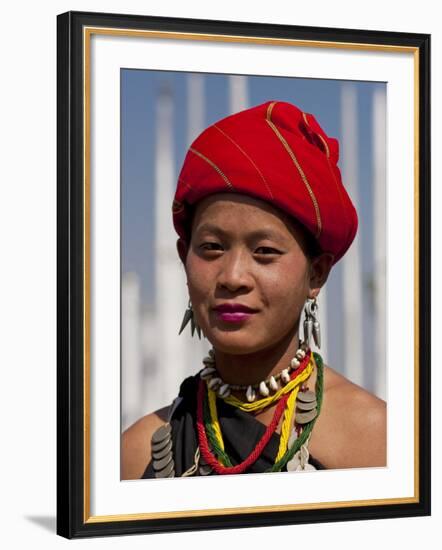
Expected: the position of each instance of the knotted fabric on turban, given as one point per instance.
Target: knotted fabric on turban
(277, 153)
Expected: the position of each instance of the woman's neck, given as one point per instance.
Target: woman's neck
(252, 368)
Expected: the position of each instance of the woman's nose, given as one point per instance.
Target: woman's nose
(235, 271)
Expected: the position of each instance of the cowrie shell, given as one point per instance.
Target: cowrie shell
(250, 394)
(224, 390)
(273, 383)
(263, 389)
(285, 376)
(214, 383)
(207, 372)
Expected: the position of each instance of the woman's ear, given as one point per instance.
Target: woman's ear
(319, 271)
(182, 248)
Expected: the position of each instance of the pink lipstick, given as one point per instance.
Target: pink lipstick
(233, 317)
(233, 313)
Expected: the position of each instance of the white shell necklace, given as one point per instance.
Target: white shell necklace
(263, 388)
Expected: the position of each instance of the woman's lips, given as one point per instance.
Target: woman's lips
(233, 316)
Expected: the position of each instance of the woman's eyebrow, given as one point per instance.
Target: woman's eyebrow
(262, 233)
(211, 228)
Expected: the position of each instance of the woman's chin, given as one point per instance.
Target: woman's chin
(234, 342)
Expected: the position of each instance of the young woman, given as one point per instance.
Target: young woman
(262, 216)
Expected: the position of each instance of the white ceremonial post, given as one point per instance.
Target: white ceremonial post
(238, 93)
(169, 276)
(131, 349)
(196, 106)
(353, 360)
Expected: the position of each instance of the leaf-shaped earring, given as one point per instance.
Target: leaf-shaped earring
(188, 316)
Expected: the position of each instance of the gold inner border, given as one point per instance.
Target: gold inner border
(87, 33)
(248, 39)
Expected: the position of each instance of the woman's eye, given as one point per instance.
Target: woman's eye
(267, 250)
(210, 246)
(261, 251)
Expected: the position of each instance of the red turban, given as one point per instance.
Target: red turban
(276, 153)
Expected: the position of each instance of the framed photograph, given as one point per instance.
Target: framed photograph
(318, 140)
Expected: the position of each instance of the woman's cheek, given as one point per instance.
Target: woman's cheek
(290, 297)
(197, 271)
(201, 286)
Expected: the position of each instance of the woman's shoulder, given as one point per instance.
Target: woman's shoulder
(351, 429)
(136, 445)
(136, 440)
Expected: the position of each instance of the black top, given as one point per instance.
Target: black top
(241, 433)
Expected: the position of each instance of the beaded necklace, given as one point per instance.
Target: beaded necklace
(307, 429)
(206, 453)
(292, 450)
(299, 376)
(209, 430)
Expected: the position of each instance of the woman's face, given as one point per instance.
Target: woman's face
(245, 252)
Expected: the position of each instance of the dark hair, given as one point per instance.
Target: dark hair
(311, 246)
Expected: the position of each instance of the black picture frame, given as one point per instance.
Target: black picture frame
(73, 510)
